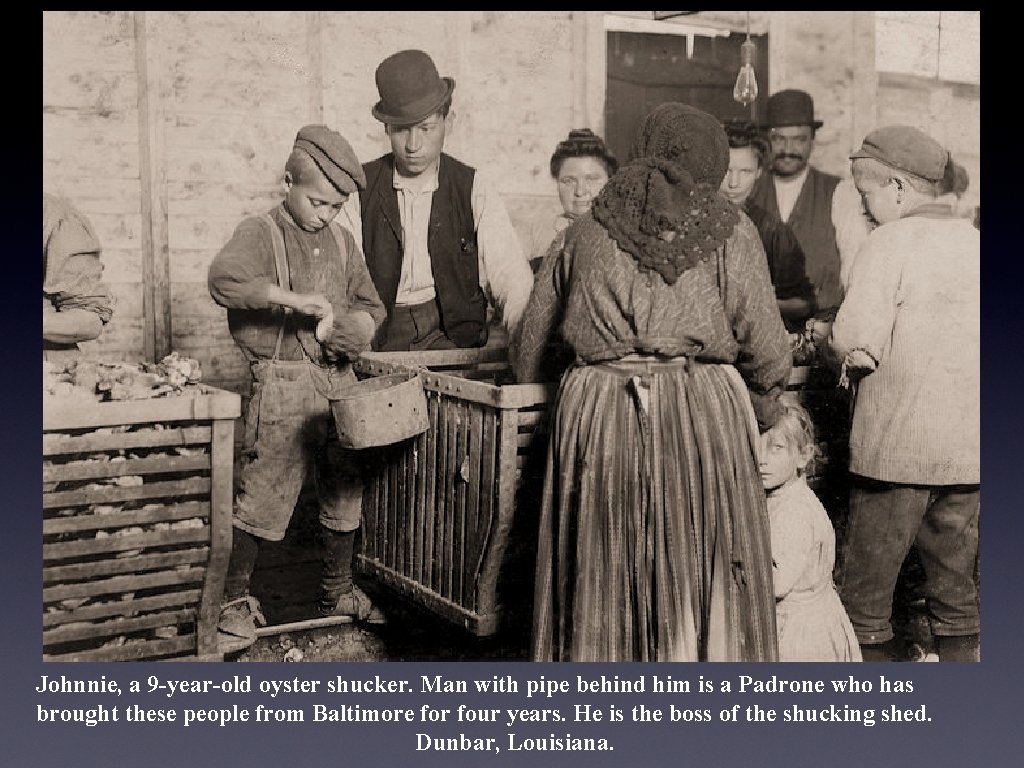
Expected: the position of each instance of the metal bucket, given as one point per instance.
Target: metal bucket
(381, 410)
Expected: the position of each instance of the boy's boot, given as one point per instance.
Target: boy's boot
(890, 650)
(239, 611)
(959, 648)
(338, 595)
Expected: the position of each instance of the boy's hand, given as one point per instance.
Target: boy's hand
(859, 361)
(350, 335)
(325, 327)
(313, 304)
(856, 366)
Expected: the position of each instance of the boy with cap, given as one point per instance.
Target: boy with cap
(824, 213)
(300, 306)
(438, 241)
(909, 334)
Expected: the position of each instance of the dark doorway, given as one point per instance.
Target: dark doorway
(646, 70)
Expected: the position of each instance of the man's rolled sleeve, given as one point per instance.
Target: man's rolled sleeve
(73, 269)
(505, 273)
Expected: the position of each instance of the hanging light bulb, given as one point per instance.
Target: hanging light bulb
(745, 90)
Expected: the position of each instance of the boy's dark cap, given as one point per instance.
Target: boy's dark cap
(334, 156)
(410, 88)
(905, 149)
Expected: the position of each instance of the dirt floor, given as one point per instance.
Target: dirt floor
(287, 579)
(286, 582)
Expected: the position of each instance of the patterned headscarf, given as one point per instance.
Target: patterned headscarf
(663, 207)
(687, 136)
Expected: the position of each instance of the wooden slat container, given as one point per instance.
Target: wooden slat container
(438, 509)
(136, 525)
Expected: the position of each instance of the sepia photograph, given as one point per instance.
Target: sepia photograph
(564, 336)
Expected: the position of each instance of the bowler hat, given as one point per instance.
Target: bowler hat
(906, 149)
(790, 107)
(410, 88)
(332, 155)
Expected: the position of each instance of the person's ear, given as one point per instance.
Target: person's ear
(287, 181)
(449, 122)
(898, 183)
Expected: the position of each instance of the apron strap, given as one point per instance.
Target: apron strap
(281, 267)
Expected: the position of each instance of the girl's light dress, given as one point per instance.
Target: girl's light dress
(812, 623)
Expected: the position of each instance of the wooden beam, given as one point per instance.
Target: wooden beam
(315, 84)
(579, 72)
(458, 28)
(156, 282)
(596, 69)
(864, 110)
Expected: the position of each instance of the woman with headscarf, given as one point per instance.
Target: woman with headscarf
(653, 541)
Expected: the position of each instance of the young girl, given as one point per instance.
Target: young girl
(812, 624)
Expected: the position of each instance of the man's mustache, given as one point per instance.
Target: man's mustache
(789, 157)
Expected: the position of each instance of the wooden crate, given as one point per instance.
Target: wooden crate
(136, 525)
(438, 509)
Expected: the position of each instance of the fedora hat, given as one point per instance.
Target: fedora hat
(790, 107)
(410, 88)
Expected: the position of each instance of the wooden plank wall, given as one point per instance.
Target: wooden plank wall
(168, 127)
(950, 112)
(91, 151)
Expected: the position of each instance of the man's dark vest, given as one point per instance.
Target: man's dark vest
(451, 242)
(811, 222)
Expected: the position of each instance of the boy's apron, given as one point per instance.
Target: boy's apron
(289, 427)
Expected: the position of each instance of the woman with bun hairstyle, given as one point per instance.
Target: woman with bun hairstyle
(581, 165)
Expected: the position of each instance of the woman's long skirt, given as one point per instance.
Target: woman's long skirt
(654, 541)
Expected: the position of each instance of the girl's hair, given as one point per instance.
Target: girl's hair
(797, 428)
(583, 142)
(743, 133)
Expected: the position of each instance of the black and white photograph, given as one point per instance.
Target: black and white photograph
(540, 336)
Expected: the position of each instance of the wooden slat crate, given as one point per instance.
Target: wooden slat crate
(136, 525)
(439, 509)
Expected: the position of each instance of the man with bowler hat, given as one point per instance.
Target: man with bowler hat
(825, 221)
(437, 239)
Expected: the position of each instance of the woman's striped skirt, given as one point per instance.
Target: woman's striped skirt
(654, 541)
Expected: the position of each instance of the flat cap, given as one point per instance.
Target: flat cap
(905, 149)
(333, 155)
